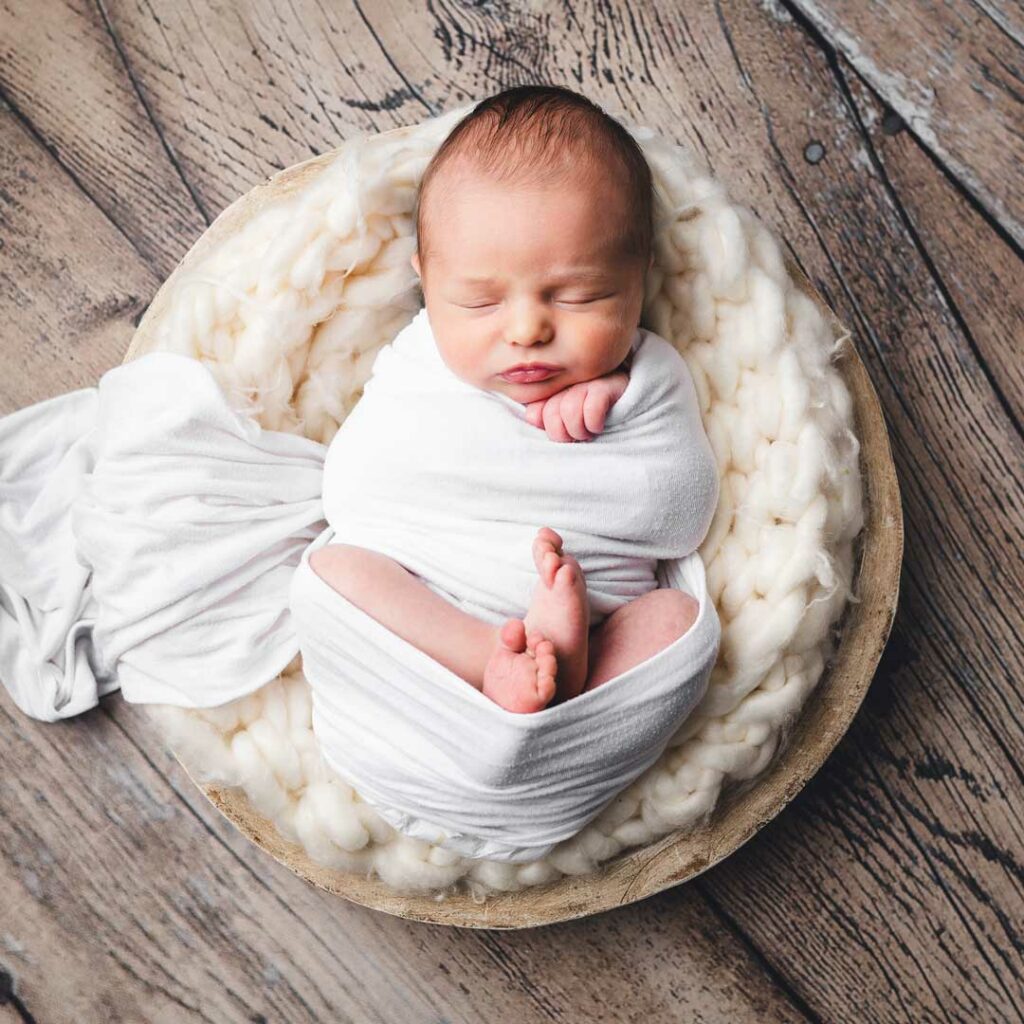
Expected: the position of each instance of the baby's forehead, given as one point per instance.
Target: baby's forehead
(579, 170)
(466, 195)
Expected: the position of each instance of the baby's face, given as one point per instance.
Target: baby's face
(516, 274)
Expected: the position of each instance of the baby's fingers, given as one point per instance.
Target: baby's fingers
(571, 411)
(535, 413)
(595, 410)
(553, 423)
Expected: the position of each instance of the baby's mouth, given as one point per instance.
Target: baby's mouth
(530, 374)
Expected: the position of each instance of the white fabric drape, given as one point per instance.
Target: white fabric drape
(443, 763)
(147, 538)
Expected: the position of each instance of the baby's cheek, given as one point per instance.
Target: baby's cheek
(461, 355)
(601, 349)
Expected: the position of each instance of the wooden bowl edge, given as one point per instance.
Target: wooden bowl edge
(740, 811)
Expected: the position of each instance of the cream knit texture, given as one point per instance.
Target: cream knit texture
(289, 312)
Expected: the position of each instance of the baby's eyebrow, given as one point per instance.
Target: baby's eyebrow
(576, 274)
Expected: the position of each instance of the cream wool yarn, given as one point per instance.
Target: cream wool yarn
(289, 310)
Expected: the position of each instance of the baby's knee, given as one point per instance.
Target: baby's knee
(674, 610)
(337, 563)
(355, 572)
(321, 560)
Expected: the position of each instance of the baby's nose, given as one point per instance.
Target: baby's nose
(528, 323)
(529, 327)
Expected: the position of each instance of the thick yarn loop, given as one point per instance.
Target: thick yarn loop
(289, 312)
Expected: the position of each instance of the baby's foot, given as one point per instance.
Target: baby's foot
(560, 610)
(520, 674)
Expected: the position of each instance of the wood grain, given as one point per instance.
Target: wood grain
(975, 268)
(890, 888)
(63, 65)
(920, 822)
(132, 899)
(70, 283)
(954, 72)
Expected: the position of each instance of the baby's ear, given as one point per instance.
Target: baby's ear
(414, 259)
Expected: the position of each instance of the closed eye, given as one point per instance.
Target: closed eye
(565, 302)
(584, 302)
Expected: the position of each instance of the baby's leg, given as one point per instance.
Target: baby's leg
(637, 631)
(404, 604)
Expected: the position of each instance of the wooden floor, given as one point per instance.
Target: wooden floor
(885, 143)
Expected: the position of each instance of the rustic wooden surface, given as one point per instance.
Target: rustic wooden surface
(886, 152)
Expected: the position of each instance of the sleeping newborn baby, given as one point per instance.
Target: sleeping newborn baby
(524, 452)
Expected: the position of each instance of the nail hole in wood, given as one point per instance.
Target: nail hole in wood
(892, 123)
(814, 152)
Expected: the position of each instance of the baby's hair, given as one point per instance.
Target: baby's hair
(537, 133)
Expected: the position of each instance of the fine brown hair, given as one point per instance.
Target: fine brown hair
(537, 133)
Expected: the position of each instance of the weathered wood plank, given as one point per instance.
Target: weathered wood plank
(12, 1007)
(71, 284)
(1008, 16)
(978, 270)
(132, 900)
(955, 73)
(65, 74)
(242, 92)
(944, 712)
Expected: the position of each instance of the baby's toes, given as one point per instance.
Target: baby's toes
(513, 634)
(568, 572)
(547, 669)
(547, 563)
(532, 640)
(545, 533)
(553, 562)
(547, 546)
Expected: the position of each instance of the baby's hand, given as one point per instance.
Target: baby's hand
(578, 412)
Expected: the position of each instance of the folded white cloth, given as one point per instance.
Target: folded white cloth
(47, 610)
(443, 763)
(453, 482)
(148, 534)
(153, 538)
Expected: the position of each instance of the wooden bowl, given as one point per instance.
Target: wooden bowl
(739, 813)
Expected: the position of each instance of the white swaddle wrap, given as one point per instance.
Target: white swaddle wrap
(149, 538)
(453, 482)
(442, 762)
